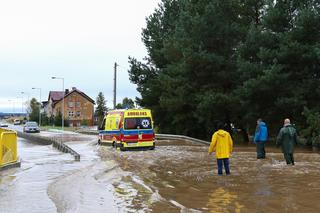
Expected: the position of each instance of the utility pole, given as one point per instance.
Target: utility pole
(115, 86)
(64, 94)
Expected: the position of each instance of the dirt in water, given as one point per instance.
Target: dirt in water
(181, 177)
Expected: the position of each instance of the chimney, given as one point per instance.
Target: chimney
(74, 88)
(66, 91)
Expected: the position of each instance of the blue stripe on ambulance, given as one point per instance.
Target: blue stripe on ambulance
(135, 132)
(126, 132)
(103, 132)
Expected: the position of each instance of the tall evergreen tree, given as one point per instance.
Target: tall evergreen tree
(279, 60)
(33, 110)
(101, 108)
(189, 76)
(228, 60)
(127, 103)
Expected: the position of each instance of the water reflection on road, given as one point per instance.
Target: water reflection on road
(175, 177)
(183, 179)
(24, 189)
(51, 181)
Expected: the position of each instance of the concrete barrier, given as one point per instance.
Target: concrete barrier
(55, 141)
(35, 138)
(60, 145)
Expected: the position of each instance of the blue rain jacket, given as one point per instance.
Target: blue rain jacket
(261, 134)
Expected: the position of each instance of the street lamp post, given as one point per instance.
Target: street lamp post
(21, 103)
(39, 104)
(24, 93)
(13, 109)
(62, 108)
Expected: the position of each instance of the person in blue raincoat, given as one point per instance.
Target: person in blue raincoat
(260, 138)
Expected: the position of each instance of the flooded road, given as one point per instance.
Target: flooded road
(175, 177)
(182, 178)
(51, 181)
(22, 188)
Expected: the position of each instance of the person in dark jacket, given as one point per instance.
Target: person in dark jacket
(287, 139)
(260, 138)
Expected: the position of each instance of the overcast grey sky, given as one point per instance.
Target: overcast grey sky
(78, 40)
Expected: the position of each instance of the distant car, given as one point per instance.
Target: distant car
(31, 126)
(16, 122)
(3, 125)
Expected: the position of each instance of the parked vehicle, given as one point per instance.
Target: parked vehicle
(16, 122)
(31, 126)
(3, 125)
(130, 128)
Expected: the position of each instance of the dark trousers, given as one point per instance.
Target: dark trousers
(289, 158)
(261, 153)
(225, 162)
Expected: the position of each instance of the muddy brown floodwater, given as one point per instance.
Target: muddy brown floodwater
(180, 177)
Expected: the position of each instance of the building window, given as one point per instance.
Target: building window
(78, 113)
(71, 113)
(78, 104)
(70, 104)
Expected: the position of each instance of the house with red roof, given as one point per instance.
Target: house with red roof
(78, 107)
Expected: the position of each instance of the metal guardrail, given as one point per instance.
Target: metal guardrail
(88, 132)
(159, 137)
(180, 137)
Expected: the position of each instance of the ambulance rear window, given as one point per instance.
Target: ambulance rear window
(134, 123)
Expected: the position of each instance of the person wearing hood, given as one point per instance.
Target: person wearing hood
(260, 138)
(287, 139)
(222, 144)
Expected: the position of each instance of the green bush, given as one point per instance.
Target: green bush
(312, 132)
(58, 120)
(84, 122)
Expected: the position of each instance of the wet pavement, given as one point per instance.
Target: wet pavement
(175, 177)
(182, 178)
(51, 181)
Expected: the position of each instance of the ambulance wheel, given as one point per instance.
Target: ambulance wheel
(152, 147)
(114, 144)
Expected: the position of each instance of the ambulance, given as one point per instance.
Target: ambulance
(127, 128)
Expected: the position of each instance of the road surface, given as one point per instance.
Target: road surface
(175, 177)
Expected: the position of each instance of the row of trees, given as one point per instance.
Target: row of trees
(33, 111)
(232, 61)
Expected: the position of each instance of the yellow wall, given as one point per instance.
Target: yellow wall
(8, 147)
